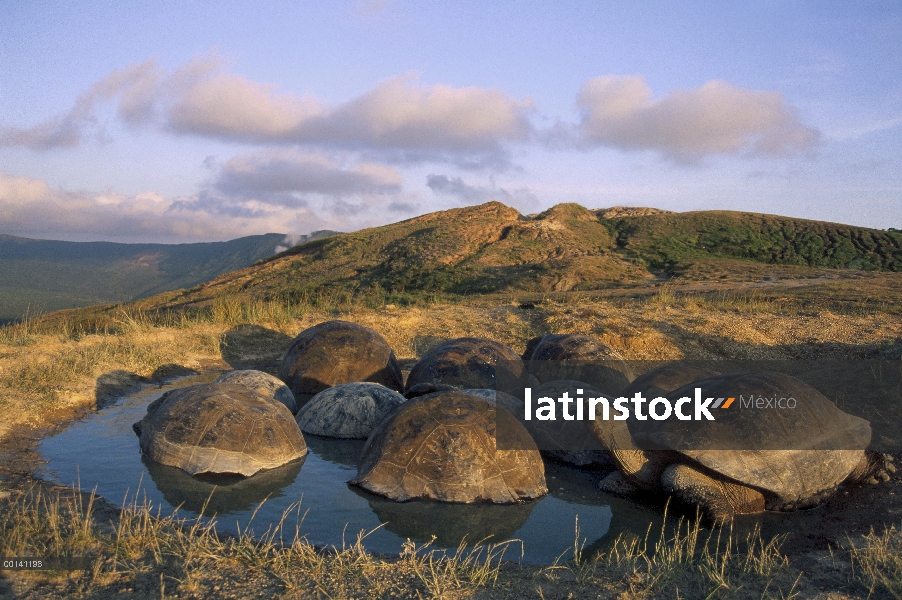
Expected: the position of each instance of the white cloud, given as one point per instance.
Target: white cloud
(30, 208)
(302, 172)
(135, 88)
(19, 191)
(400, 113)
(216, 104)
(716, 118)
(200, 98)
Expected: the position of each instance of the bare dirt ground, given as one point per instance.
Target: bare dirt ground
(797, 318)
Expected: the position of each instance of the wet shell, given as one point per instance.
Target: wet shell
(473, 363)
(264, 383)
(337, 352)
(219, 428)
(348, 411)
(442, 447)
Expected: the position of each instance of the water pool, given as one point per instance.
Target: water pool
(101, 453)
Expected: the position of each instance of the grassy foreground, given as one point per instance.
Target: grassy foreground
(140, 553)
(53, 368)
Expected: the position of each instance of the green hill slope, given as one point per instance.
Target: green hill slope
(472, 250)
(492, 248)
(46, 275)
(667, 240)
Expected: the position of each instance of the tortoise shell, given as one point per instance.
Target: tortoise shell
(337, 352)
(466, 363)
(663, 380)
(588, 359)
(349, 410)
(500, 398)
(442, 447)
(264, 383)
(569, 441)
(219, 428)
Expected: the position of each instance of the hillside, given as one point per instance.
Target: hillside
(669, 240)
(47, 275)
(492, 248)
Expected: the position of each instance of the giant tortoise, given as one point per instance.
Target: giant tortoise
(442, 446)
(338, 352)
(266, 384)
(566, 440)
(348, 411)
(578, 357)
(469, 362)
(219, 428)
(756, 459)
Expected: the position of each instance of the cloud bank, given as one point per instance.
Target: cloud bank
(716, 118)
(320, 165)
(403, 120)
(30, 208)
(270, 173)
(201, 99)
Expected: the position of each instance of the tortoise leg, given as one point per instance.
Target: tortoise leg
(718, 500)
(873, 468)
(639, 468)
(615, 483)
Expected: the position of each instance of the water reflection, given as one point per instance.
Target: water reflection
(450, 524)
(336, 451)
(223, 495)
(629, 518)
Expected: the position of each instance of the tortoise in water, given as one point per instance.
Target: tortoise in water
(266, 384)
(349, 410)
(337, 352)
(569, 441)
(219, 428)
(758, 459)
(635, 467)
(466, 363)
(442, 446)
(588, 359)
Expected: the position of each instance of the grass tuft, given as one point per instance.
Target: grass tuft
(877, 562)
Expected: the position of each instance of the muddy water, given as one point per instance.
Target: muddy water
(101, 453)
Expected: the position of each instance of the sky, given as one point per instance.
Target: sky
(199, 121)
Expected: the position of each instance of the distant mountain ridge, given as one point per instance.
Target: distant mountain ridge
(483, 249)
(47, 275)
(492, 248)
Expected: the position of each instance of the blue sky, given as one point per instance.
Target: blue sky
(202, 121)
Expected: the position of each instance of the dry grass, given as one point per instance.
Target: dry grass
(877, 562)
(686, 561)
(140, 552)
